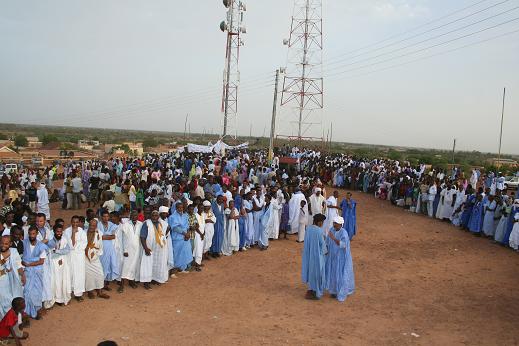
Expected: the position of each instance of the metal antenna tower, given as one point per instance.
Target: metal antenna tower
(303, 82)
(233, 25)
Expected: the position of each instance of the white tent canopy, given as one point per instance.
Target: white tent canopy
(219, 147)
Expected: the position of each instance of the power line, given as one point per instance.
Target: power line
(178, 106)
(140, 105)
(415, 28)
(426, 48)
(419, 34)
(432, 55)
(426, 40)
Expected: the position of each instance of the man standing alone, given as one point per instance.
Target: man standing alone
(313, 272)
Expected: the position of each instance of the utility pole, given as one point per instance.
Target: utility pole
(453, 150)
(185, 127)
(501, 132)
(273, 121)
(331, 135)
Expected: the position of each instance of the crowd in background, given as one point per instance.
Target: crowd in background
(480, 204)
(151, 219)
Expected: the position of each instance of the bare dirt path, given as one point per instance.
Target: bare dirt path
(413, 274)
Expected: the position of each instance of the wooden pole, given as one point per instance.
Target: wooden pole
(501, 132)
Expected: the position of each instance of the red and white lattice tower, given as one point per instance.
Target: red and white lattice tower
(303, 81)
(234, 27)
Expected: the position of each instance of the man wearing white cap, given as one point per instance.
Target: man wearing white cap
(316, 202)
(154, 261)
(164, 214)
(340, 281)
(209, 220)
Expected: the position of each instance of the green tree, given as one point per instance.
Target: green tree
(49, 138)
(149, 143)
(394, 155)
(125, 148)
(2, 136)
(20, 141)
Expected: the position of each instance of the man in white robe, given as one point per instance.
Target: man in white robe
(77, 240)
(274, 219)
(231, 237)
(131, 232)
(198, 242)
(154, 261)
(332, 209)
(303, 221)
(94, 275)
(43, 200)
(60, 264)
(44, 235)
(474, 179)
(209, 220)
(439, 210)
(163, 217)
(294, 206)
(433, 190)
(316, 204)
(448, 202)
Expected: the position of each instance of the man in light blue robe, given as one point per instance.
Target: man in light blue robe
(313, 264)
(242, 222)
(340, 279)
(258, 202)
(45, 234)
(33, 260)
(11, 276)
(349, 214)
(249, 220)
(264, 220)
(467, 208)
(179, 224)
(109, 258)
(218, 211)
(476, 218)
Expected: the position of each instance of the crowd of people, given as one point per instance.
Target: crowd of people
(480, 204)
(151, 219)
(158, 217)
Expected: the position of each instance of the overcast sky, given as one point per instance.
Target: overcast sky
(146, 64)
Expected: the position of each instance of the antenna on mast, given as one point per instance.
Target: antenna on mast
(234, 27)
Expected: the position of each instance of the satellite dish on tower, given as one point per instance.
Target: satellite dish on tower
(223, 26)
(226, 3)
(285, 41)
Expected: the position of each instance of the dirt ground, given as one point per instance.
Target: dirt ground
(418, 282)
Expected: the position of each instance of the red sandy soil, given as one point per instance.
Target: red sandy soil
(413, 275)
